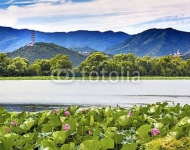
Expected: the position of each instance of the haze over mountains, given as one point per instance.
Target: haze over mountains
(12, 39)
(153, 42)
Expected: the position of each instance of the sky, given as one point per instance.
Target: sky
(130, 16)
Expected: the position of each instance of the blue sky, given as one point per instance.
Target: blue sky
(130, 16)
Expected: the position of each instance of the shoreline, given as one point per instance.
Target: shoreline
(96, 78)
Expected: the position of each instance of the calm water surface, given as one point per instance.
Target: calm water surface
(39, 95)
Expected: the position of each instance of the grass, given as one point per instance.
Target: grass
(96, 78)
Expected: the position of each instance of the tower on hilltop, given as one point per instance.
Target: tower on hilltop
(33, 37)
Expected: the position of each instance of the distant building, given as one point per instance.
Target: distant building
(178, 54)
(84, 53)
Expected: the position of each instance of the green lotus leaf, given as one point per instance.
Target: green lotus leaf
(107, 144)
(3, 130)
(107, 112)
(137, 123)
(73, 109)
(6, 143)
(169, 119)
(108, 122)
(110, 132)
(142, 133)
(180, 131)
(29, 139)
(59, 137)
(81, 130)
(185, 122)
(11, 136)
(5, 115)
(158, 125)
(185, 111)
(55, 120)
(2, 110)
(48, 145)
(72, 123)
(124, 121)
(118, 113)
(132, 146)
(153, 109)
(91, 120)
(70, 146)
(42, 118)
(62, 118)
(173, 134)
(46, 128)
(96, 132)
(85, 121)
(118, 138)
(142, 118)
(28, 147)
(48, 148)
(17, 129)
(27, 125)
(91, 145)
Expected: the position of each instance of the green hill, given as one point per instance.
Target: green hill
(46, 51)
(83, 49)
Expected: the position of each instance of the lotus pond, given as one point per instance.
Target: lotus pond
(152, 127)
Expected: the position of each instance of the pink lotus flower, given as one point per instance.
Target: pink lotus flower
(66, 127)
(155, 131)
(67, 113)
(55, 111)
(130, 114)
(8, 129)
(90, 132)
(14, 123)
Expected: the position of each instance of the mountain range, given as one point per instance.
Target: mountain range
(154, 42)
(12, 39)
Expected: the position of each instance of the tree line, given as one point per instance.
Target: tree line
(98, 64)
(41, 67)
(129, 64)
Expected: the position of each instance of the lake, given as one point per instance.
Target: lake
(46, 94)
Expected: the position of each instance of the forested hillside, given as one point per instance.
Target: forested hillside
(154, 42)
(46, 51)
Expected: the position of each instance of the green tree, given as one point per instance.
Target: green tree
(35, 69)
(18, 67)
(187, 67)
(44, 66)
(95, 62)
(4, 62)
(144, 65)
(60, 62)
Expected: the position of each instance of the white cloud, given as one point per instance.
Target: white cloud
(120, 15)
